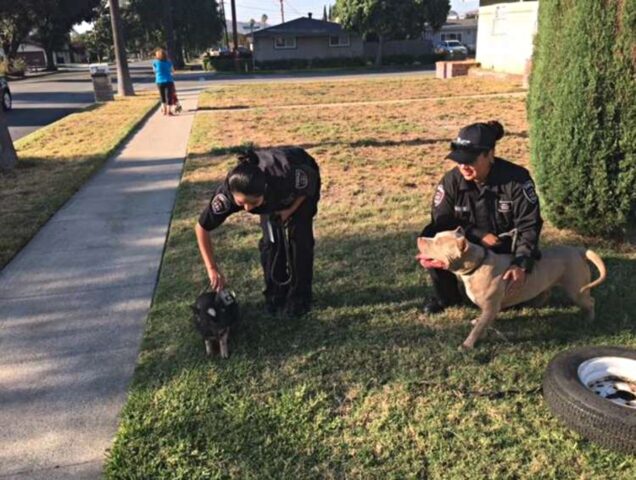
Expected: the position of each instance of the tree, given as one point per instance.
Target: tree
(391, 18)
(53, 21)
(264, 19)
(185, 28)
(124, 82)
(16, 22)
(582, 114)
(324, 13)
(8, 157)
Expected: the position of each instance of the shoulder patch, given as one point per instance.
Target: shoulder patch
(439, 195)
(302, 180)
(529, 192)
(220, 204)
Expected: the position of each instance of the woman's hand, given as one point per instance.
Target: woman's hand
(285, 214)
(517, 277)
(217, 280)
(490, 240)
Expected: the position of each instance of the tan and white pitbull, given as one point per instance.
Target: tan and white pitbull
(482, 272)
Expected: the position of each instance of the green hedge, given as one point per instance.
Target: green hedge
(224, 64)
(582, 113)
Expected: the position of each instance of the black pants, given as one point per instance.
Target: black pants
(301, 242)
(165, 90)
(445, 286)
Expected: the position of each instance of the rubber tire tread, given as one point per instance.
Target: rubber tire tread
(595, 418)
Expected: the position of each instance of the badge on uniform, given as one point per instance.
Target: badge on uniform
(504, 206)
(529, 192)
(439, 195)
(220, 204)
(302, 180)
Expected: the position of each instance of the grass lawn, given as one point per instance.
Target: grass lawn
(55, 161)
(365, 386)
(346, 91)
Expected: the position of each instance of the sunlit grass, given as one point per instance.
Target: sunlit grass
(56, 160)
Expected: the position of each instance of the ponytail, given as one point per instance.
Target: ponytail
(496, 128)
(248, 156)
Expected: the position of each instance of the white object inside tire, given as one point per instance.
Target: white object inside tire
(612, 378)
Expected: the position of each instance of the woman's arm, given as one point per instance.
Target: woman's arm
(217, 281)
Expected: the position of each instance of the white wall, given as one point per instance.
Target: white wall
(505, 35)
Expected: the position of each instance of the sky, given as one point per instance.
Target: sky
(246, 9)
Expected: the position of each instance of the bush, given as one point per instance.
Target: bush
(226, 64)
(15, 67)
(425, 59)
(582, 113)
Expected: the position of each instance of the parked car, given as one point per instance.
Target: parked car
(452, 49)
(5, 95)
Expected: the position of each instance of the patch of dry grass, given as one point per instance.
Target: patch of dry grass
(56, 160)
(348, 91)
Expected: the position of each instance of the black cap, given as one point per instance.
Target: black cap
(472, 141)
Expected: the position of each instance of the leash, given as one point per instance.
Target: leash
(279, 236)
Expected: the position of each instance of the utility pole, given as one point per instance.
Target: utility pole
(227, 38)
(124, 83)
(282, 11)
(237, 63)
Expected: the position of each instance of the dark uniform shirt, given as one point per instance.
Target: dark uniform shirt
(507, 201)
(290, 173)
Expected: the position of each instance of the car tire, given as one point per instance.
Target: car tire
(582, 389)
(7, 101)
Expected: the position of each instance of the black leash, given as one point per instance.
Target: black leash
(279, 236)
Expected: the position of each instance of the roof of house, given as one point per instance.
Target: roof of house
(306, 27)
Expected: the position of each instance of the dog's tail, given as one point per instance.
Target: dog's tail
(600, 265)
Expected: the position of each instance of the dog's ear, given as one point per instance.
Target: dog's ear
(462, 243)
(459, 231)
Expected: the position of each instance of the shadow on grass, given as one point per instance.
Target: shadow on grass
(368, 291)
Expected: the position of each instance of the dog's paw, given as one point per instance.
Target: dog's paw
(474, 321)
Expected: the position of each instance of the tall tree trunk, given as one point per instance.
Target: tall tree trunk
(124, 83)
(50, 60)
(378, 57)
(177, 59)
(8, 157)
(168, 29)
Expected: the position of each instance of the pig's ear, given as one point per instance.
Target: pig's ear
(462, 244)
(459, 231)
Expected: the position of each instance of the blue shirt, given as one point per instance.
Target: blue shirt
(163, 71)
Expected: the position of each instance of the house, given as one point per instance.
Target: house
(505, 34)
(464, 30)
(305, 38)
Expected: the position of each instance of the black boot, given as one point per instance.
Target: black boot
(297, 307)
(433, 307)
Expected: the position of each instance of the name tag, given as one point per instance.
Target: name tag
(504, 206)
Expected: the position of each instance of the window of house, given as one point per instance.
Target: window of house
(451, 36)
(284, 42)
(339, 41)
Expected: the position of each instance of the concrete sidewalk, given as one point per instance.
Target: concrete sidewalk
(73, 304)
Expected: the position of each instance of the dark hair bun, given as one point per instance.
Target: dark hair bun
(497, 129)
(248, 156)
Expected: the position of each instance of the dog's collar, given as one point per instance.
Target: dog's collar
(479, 263)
